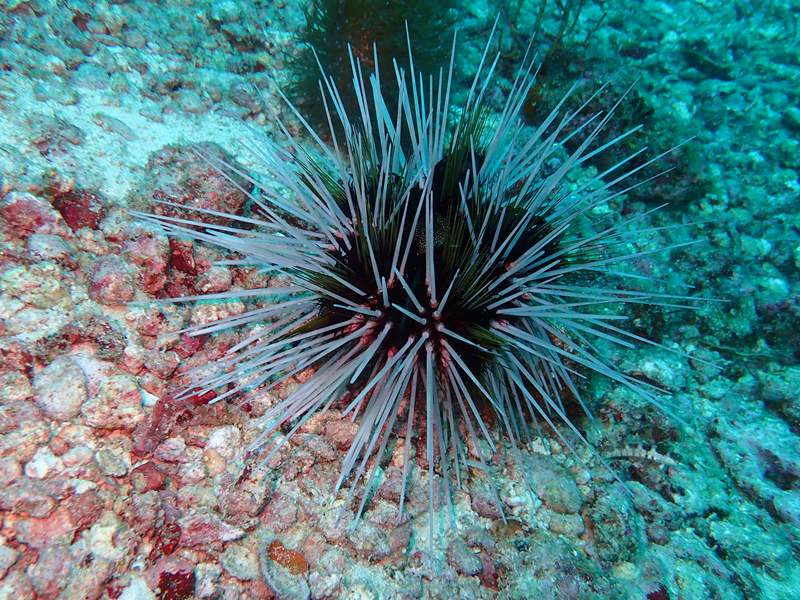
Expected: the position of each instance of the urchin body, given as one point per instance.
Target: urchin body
(436, 269)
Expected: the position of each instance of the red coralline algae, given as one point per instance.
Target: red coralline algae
(178, 174)
(182, 257)
(15, 356)
(81, 208)
(280, 513)
(110, 281)
(189, 345)
(162, 364)
(84, 509)
(289, 559)
(174, 586)
(170, 415)
(659, 593)
(25, 213)
(107, 340)
(23, 429)
(166, 540)
(147, 477)
(489, 575)
(114, 590)
(149, 252)
(39, 534)
(171, 578)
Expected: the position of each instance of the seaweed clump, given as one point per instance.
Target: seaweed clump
(333, 26)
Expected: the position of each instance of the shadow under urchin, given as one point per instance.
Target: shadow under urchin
(437, 266)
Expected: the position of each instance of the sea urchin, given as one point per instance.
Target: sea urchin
(438, 266)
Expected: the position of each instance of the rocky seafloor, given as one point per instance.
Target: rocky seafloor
(111, 486)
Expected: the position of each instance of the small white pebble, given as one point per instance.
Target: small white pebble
(756, 247)
(225, 440)
(82, 485)
(149, 399)
(42, 463)
(80, 455)
(137, 590)
(776, 286)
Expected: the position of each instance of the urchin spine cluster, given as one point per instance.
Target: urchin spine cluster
(435, 268)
